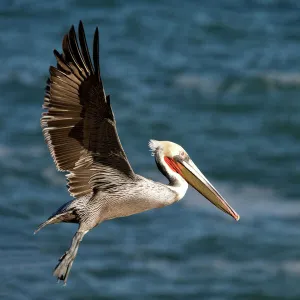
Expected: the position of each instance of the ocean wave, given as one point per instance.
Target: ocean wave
(212, 85)
(280, 78)
(204, 84)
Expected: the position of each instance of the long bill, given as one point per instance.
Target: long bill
(198, 181)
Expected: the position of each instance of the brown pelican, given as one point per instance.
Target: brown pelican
(80, 130)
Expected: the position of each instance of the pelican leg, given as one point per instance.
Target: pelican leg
(64, 266)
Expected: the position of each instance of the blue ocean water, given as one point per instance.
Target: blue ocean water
(221, 78)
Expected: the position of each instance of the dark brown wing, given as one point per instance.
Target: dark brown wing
(79, 125)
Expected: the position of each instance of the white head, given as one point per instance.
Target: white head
(174, 162)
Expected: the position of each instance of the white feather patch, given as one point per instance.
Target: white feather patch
(154, 145)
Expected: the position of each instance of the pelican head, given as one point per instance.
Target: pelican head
(173, 161)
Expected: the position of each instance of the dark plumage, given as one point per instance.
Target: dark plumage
(79, 125)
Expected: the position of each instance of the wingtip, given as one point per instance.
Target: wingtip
(72, 31)
(80, 27)
(96, 53)
(96, 34)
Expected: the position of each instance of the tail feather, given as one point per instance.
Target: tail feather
(65, 213)
(64, 266)
(55, 219)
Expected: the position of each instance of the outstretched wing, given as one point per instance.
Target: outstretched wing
(79, 125)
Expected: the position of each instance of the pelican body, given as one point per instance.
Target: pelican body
(80, 130)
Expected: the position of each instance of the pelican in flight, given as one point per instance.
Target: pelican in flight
(80, 130)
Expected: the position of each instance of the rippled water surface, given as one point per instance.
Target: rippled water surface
(222, 79)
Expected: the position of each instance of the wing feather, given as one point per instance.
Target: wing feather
(96, 54)
(79, 125)
(85, 49)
